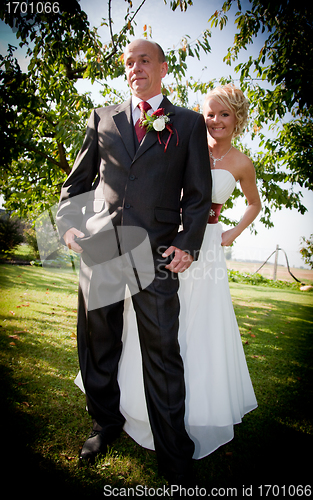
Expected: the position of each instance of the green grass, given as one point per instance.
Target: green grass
(22, 252)
(45, 422)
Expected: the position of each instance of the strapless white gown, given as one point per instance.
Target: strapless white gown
(219, 391)
(218, 386)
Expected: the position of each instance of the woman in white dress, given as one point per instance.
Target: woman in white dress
(219, 391)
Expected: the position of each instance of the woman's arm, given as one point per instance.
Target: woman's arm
(247, 180)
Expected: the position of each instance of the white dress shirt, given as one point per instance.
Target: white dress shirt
(154, 103)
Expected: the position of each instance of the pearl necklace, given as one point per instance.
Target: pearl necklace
(218, 159)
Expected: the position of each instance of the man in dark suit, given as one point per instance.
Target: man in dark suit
(154, 183)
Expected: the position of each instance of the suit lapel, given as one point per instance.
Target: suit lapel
(124, 123)
(152, 137)
(168, 106)
(149, 139)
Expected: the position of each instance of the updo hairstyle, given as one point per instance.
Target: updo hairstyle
(232, 98)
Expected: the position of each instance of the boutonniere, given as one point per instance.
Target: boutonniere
(159, 121)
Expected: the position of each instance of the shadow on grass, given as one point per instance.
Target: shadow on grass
(37, 278)
(271, 445)
(23, 471)
(268, 448)
(44, 421)
(45, 424)
(264, 451)
(43, 475)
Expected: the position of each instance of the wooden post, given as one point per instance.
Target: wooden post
(275, 264)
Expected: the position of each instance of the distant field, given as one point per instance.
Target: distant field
(304, 275)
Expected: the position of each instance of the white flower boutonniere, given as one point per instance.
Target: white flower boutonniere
(159, 121)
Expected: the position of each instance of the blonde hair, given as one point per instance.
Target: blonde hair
(233, 98)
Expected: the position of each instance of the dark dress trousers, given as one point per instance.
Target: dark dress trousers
(143, 186)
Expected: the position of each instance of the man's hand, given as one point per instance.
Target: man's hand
(180, 262)
(69, 239)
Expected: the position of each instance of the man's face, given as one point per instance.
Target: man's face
(144, 69)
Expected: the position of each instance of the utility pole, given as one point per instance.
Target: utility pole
(275, 264)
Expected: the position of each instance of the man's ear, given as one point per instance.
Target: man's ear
(164, 69)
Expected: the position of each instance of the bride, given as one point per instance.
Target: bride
(219, 391)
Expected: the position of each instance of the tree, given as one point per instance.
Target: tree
(286, 62)
(307, 250)
(10, 234)
(43, 117)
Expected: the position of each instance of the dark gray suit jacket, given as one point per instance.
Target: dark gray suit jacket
(147, 187)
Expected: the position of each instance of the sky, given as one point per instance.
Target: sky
(167, 29)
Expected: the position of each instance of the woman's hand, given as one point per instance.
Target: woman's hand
(228, 237)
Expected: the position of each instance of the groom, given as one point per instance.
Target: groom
(154, 183)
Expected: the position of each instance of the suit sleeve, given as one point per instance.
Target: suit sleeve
(75, 191)
(197, 191)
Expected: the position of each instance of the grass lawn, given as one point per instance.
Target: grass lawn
(45, 423)
(22, 252)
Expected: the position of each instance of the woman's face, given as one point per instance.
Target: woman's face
(220, 121)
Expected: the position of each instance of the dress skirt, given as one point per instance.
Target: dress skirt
(219, 391)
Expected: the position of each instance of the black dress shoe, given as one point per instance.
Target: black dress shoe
(93, 446)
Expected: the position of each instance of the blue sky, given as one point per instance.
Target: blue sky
(167, 29)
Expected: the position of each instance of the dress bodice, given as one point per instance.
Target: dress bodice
(223, 184)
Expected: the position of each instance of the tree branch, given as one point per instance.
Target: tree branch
(122, 31)
(39, 114)
(63, 165)
(110, 24)
(72, 74)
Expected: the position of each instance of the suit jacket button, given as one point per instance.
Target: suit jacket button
(132, 177)
(127, 205)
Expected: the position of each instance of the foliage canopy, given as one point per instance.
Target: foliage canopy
(307, 250)
(278, 84)
(43, 116)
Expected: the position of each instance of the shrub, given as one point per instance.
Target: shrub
(31, 240)
(258, 279)
(10, 234)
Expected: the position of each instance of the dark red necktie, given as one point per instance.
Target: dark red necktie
(141, 131)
